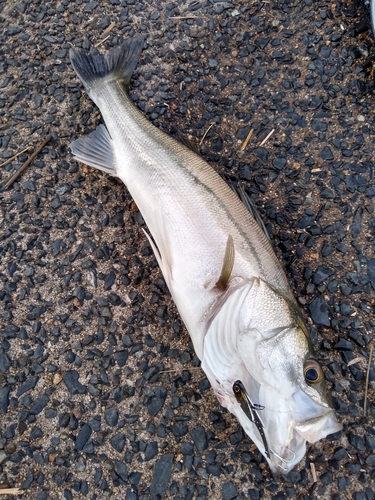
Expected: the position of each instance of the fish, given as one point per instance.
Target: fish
(218, 262)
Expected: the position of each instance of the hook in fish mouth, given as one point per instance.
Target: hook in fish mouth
(251, 411)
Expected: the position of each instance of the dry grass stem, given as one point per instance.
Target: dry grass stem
(185, 17)
(354, 361)
(180, 369)
(267, 137)
(313, 472)
(11, 491)
(101, 41)
(204, 136)
(109, 29)
(246, 141)
(367, 377)
(27, 162)
(15, 156)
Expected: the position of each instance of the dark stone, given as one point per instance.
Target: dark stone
(371, 272)
(121, 358)
(118, 442)
(279, 162)
(83, 436)
(356, 441)
(321, 274)
(369, 442)
(4, 362)
(344, 344)
(229, 491)
(161, 476)
(318, 311)
(111, 416)
(326, 154)
(242, 133)
(340, 454)
(326, 478)
(109, 280)
(36, 433)
(155, 404)
(28, 481)
(74, 386)
(151, 450)
(200, 438)
(40, 403)
(122, 470)
(179, 429)
(29, 384)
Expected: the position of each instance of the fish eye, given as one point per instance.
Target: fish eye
(313, 372)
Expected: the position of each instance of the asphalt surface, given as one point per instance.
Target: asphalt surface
(101, 394)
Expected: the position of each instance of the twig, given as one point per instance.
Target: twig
(109, 29)
(266, 138)
(185, 17)
(15, 156)
(27, 162)
(101, 41)
(312, 467)
(204, 136)
(367, 377)
(245, 142)
(11, 491)
(179, 369)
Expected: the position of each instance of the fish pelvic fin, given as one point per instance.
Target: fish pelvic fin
(228, 263)
(160, 245)
(119, 62)
(96, 150)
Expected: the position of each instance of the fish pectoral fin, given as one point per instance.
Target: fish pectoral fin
(228, 263)
(96, 150)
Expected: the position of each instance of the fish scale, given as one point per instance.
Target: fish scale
(218, 263)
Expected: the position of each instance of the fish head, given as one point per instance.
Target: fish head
(286, 381)
(262, 366)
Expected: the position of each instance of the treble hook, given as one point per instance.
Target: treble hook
(284, 462)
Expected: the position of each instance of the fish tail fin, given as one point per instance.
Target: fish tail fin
(119, 62)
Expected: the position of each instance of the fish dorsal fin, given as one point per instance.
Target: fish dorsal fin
(249, 204)
(96, 150)
(227, 268)
(189, 144)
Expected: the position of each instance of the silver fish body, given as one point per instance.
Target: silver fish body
(248, 329)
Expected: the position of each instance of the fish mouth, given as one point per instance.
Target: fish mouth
(280, 434)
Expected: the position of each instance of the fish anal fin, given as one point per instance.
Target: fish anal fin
(96, 150)
(228, 263)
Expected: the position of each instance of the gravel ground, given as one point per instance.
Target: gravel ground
(101, 394)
